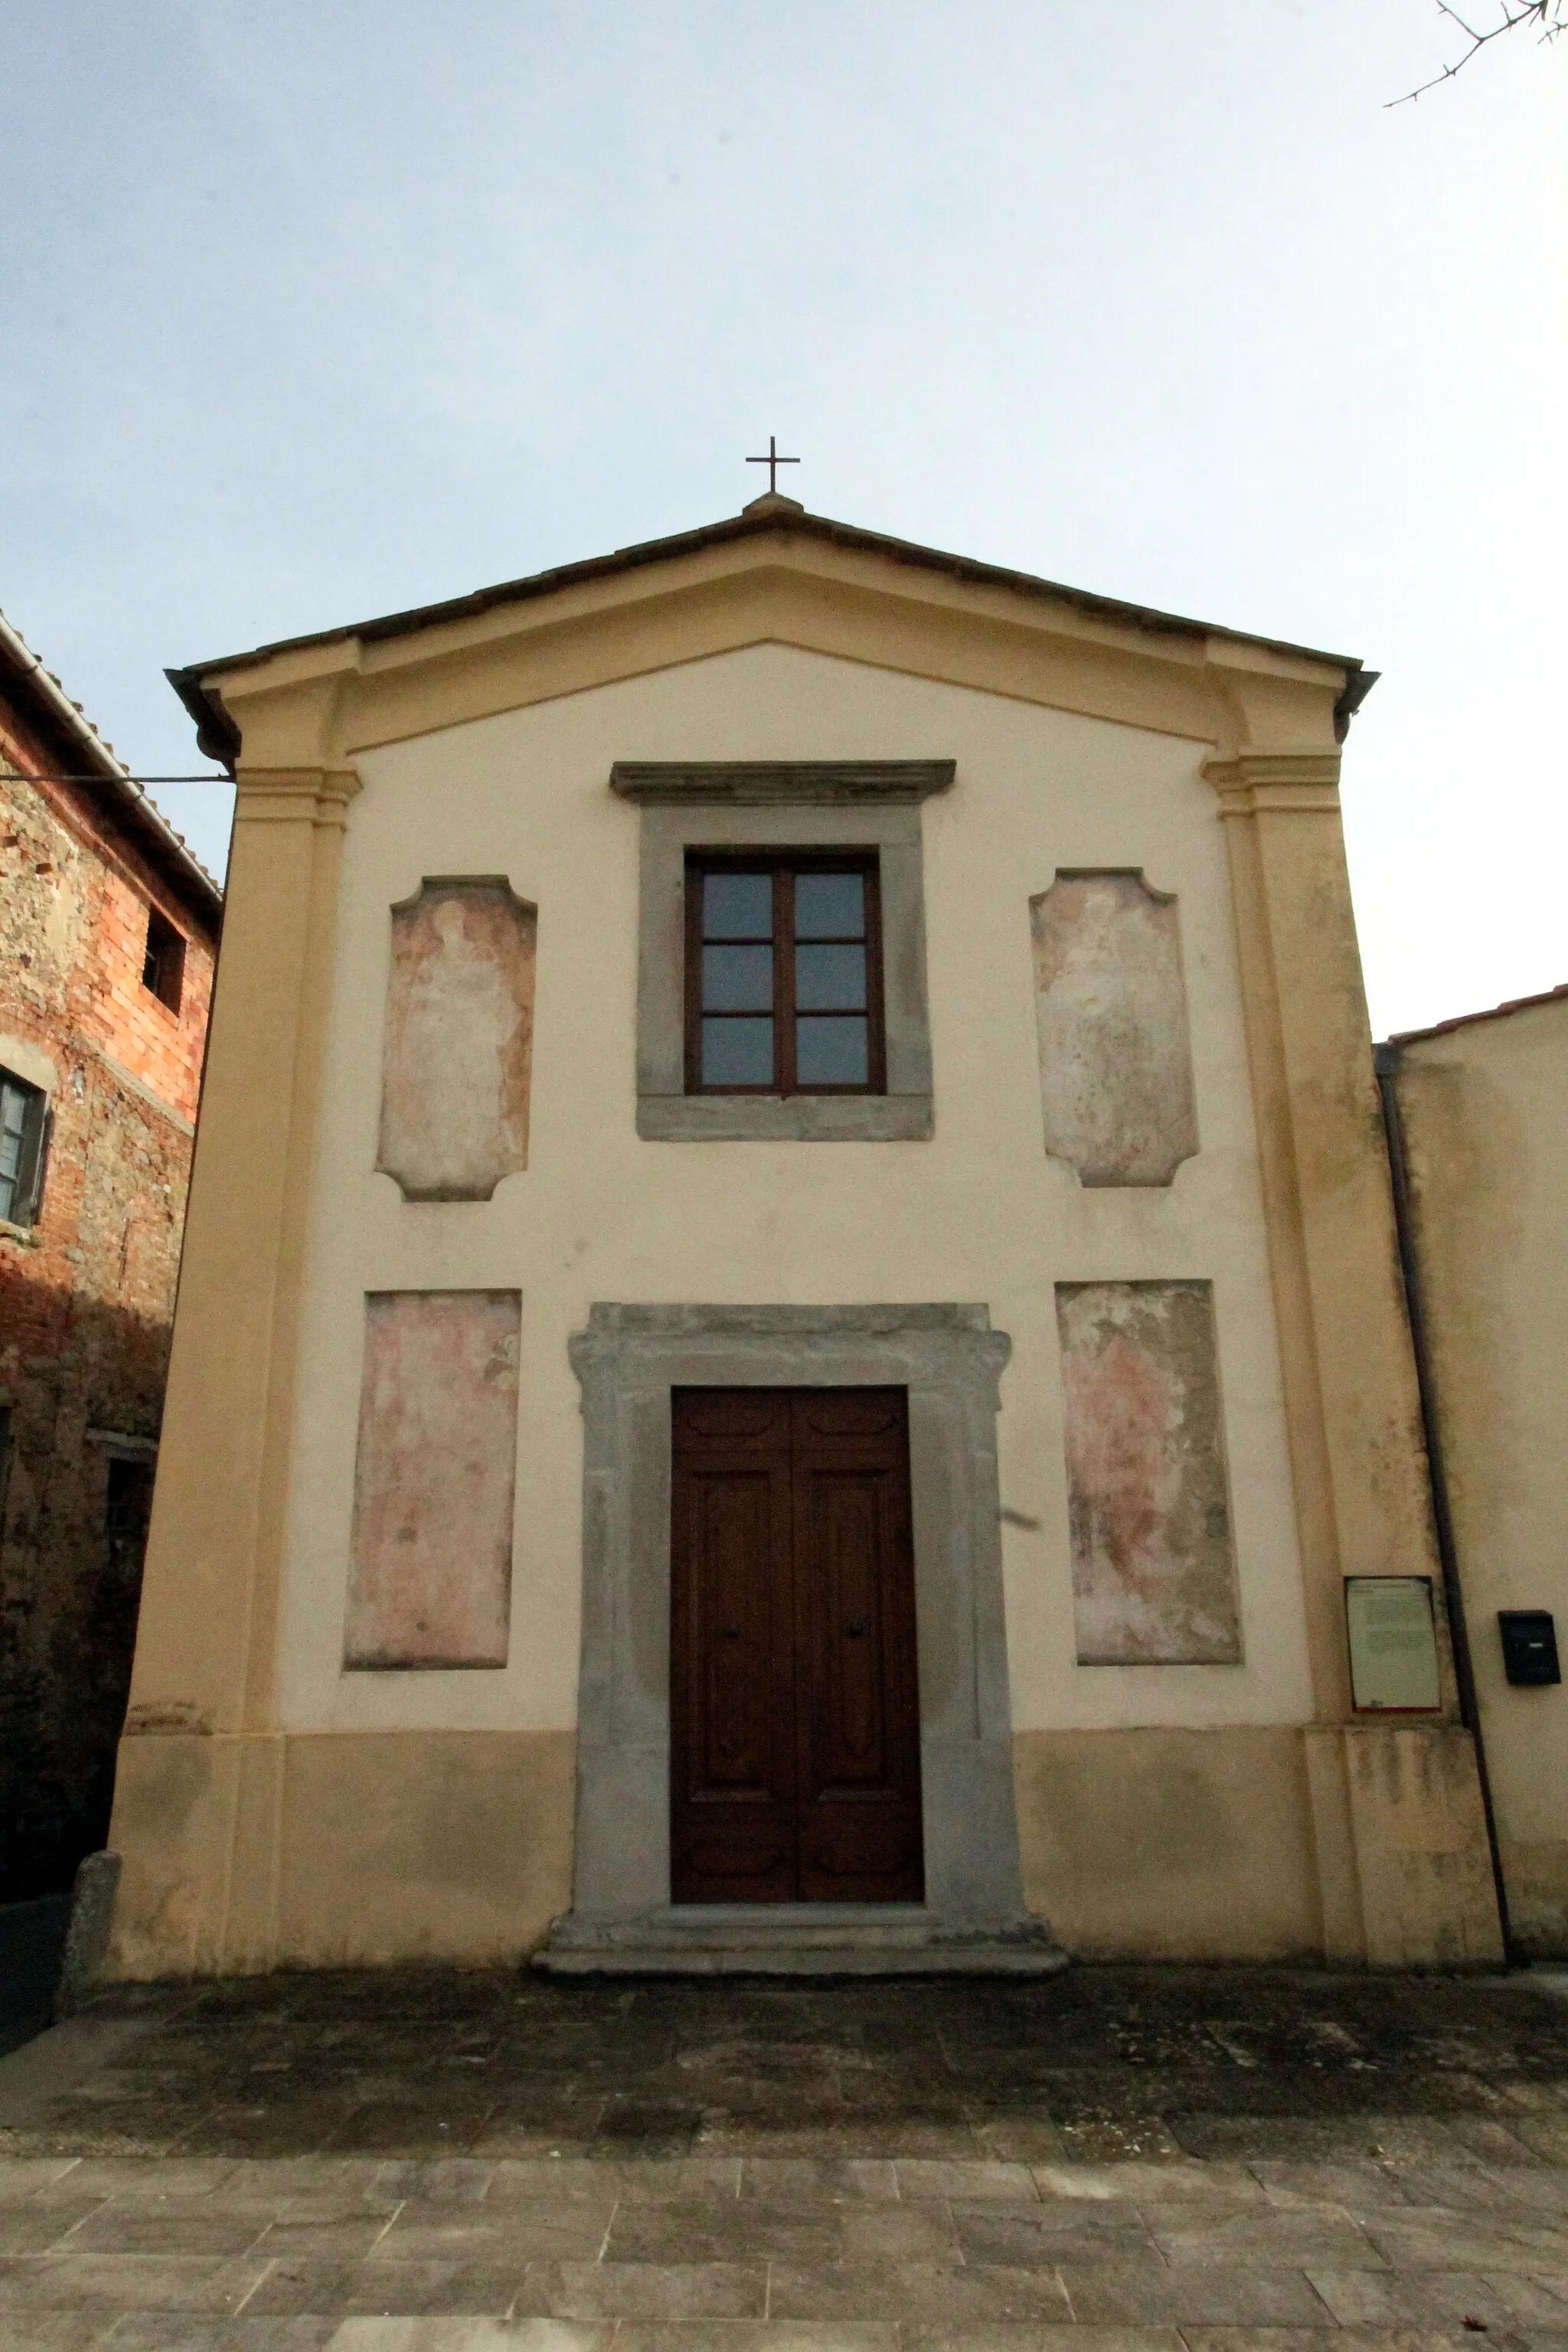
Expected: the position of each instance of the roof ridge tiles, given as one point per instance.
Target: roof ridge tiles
(1486, 1012)
(170, 845)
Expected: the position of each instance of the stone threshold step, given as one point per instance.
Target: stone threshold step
(798, 1939)
(804, 1961)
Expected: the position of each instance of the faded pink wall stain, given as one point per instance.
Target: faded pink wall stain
(1115, 1076)
(1154, 1562)
(458, 1040)
(430, 1582)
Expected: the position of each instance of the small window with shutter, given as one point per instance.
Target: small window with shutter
(24, 1133)
(164, 963)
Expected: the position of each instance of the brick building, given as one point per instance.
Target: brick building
(108, 937)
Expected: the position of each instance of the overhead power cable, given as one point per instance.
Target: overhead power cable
(32, 776)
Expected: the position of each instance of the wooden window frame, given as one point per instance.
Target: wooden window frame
(783, 864)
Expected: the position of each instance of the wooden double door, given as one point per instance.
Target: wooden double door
(794, 1711)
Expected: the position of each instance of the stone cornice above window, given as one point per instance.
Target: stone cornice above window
(765, 783)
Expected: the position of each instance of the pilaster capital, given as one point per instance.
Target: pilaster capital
(315, 796)
(1278, 784)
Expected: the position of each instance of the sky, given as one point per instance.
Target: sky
(328, 307)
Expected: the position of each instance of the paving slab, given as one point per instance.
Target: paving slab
(167, 2331)
(1120, 2161)
(54, 2331)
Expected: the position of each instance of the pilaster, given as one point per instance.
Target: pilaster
(1352, 1408)
(206, 1653)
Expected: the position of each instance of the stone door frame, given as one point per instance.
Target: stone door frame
(950, 1361)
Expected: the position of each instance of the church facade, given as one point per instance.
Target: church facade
(790, 1352)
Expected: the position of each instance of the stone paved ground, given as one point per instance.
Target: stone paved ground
(1172, 2160)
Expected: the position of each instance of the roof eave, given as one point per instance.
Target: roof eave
(218, 737)
(766, 515)
(1509, 1006)
(26, 669)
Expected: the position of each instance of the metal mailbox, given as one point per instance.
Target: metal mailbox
(1528, 1645)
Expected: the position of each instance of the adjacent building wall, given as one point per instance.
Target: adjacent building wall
(1484, 1107)
(87, 1284)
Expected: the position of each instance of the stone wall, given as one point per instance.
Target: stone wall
(87, 1289)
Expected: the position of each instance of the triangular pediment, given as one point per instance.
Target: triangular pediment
(773, 574)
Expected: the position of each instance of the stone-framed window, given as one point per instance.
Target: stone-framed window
(23, 1149)
(868, 806)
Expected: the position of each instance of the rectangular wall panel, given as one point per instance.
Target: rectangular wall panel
(430, 1583)
(1111, 1004)
(457, 1051)
(1153, 1558)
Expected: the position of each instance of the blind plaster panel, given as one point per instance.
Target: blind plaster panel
(458, 1040)
(1116, 1073)
(1153, 1563)
(430, 1582)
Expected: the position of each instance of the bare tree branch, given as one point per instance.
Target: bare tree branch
(1549, 16)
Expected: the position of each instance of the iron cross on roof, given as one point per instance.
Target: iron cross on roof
(772, 461)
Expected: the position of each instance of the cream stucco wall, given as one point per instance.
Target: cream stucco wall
(1485, 1112)
(978, 1213)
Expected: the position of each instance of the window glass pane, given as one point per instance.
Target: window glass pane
(830, 980)
(740, 979)
(737, 905)
(829, 906)
(831, 1053)
(737, 1053)
(13, 1136)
